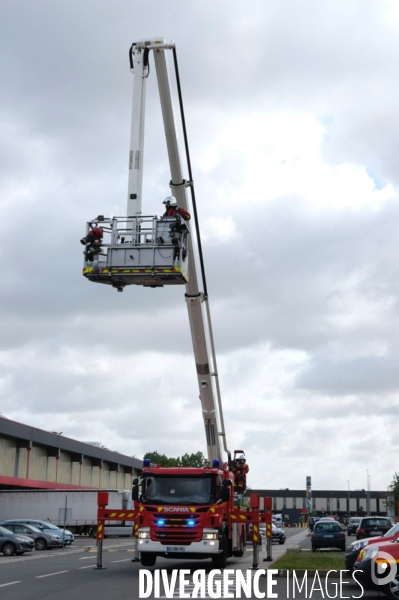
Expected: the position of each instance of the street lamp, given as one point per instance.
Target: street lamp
(368, 494)
(349, 513)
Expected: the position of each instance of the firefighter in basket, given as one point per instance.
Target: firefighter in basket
(178, 230)
(240, 470)
(92, 241)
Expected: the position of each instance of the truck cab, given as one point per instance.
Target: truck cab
(184, 512)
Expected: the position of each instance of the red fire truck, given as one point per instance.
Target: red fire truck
(179, 512)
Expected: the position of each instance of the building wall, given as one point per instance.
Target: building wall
(7, 457)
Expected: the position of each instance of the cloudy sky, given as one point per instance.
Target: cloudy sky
(293, 124)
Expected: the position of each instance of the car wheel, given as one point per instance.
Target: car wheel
(219, 560)
(314, 548)
(148, 559)
(40, 544)
(281, 543)
(391, 590)
(8, 549)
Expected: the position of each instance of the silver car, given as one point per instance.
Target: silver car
(43, 540)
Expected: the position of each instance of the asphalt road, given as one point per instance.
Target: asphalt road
(70, 574)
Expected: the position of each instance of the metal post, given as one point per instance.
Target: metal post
(100, 554)
(65, 515)
(255, 555)
(349, 512)
(269, 557)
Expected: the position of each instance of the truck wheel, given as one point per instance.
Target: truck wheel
(8, 549)
(148, 559)
(40, 544)
(93, 532)
(219, 561)
(239, 553)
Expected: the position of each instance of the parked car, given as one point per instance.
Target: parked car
(366, 561)
(42, 539)
(328, 534)
(353, 525)
(11, 544)
(353, 550)
(278, 534)
(372, 527)
(312, 522)
(44, 526)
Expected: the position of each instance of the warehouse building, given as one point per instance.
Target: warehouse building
(32, 458)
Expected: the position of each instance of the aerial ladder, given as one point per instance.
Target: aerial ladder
(140, 251)
(152, 251)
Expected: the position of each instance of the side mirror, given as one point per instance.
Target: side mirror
(225, 494)
(135, 493)
(135, 481)
(227, 482)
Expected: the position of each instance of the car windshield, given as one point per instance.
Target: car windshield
(393, 531)
(34, 529)
(45, 525)
(354, 520)
(178, 490)
(5, 531)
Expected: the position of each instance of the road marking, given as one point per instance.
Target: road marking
(124, 560)
(86, 557)
(88, 567)
(11, 583)
(51, 574)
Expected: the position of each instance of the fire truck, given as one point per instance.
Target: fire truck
(178, 512)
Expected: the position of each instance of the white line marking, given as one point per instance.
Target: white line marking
(86, 557)
(50, 574)
(88, 567)
(124, 560)
(11, 583)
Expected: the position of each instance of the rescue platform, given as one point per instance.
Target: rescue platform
(148, 251)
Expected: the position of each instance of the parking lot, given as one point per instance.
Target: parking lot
(62, 575)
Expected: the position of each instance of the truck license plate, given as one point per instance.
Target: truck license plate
(175, 549)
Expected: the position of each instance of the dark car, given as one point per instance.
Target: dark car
(353, 525)
(278, 535)
(312, 522)
(11, 544)
(42, 539)
(366, 562)
(354, 548)
(373, 527)
(328, 534)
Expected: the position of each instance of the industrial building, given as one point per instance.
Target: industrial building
(37, 459)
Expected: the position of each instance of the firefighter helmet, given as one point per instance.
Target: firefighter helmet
(170, 201)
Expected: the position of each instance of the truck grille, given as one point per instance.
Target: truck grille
(176, 528)
(175, 536)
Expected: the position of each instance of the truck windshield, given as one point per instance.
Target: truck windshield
(178, 490)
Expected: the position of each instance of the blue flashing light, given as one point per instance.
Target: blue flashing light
(146, 462)
(160, 522)
(191, 523)
(216, 464)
